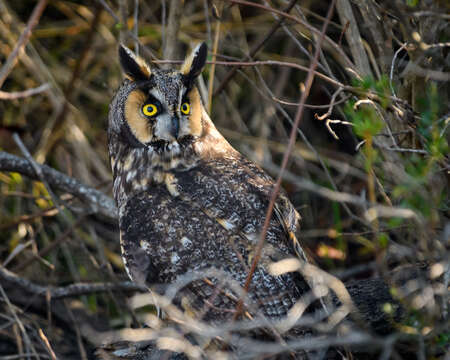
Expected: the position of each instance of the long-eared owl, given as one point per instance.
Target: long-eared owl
(189, 202)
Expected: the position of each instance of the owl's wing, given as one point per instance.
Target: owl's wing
(236, 193)
(212, 216)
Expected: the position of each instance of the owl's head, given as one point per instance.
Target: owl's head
(157, 108)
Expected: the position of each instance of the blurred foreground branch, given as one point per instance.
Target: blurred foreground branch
(22, 94)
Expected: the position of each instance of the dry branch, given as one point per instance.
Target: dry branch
(286, 155)
(173, 26)
(97, 202)
(67, 291)
(353, 37)
(351, 67)
(23, 39)
(22, 94)
(344, 232)
(255, 49)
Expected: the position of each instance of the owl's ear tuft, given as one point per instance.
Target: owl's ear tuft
(194, 63)
(134, 67)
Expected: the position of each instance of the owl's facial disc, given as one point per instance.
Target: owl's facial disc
(152, 118)
(164, 106)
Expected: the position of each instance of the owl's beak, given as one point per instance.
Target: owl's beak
(175, 126)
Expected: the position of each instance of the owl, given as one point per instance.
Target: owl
(189, 203)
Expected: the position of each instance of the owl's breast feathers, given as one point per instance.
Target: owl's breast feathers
(211, 216)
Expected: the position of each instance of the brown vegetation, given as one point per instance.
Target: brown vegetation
(360, 143)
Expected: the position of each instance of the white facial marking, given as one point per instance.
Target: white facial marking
(156, 93)
(186, 242)
(145, 245)
(131, 175)
(175, 258)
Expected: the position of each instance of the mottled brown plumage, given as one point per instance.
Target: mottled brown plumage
(189, 202)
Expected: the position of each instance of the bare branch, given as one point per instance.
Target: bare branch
(287, 154)
(23, 94)
(353, 37)
(328, 41)
(70, 290)
(98, 202)
(256, 48)
(23, 39)
(172, 28)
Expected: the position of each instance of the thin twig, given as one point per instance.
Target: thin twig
(328, 121)
(322, 191)
(63, 237)
(47, 344)
(98, 202)
(265, 63)
(172, 29)
(330, 106)
(123, 12)
(23, 39)
(109, 10)
(135, 26)
(18, 322)
(76, 289)
(308, 144)
(145, 49)
(163, 22)
(336, 47)
(310, 106)
(391, 73)
(213, 66)
(353, 37)
(208, 22)
(4, 95)
(416, 151)
(41, 177)
(256, 48)
(292, 138)
(82, 349)
(70, 88)
(355, 90)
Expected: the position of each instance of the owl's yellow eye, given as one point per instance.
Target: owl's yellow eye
(185, 108)
(150, 109)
